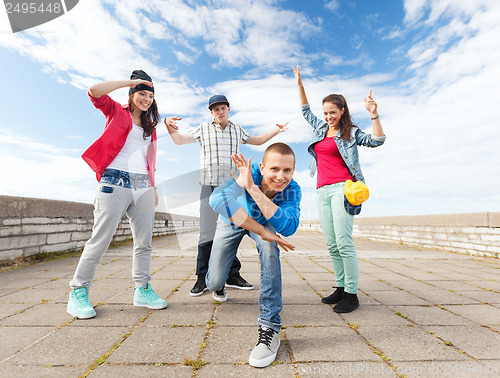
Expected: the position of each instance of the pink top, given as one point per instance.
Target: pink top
(331, 166)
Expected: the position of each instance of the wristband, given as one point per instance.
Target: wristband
(372, 118)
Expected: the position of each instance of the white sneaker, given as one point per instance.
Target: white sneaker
(266, 349)
(220, 295)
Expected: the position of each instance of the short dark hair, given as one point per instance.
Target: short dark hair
(281, 148)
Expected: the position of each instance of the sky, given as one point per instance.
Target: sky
(433, 67)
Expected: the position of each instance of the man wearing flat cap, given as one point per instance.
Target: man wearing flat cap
(219, 140)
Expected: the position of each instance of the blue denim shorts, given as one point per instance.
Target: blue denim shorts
(125, 179)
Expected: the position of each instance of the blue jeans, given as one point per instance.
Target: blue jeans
(227, 239)
(337, 226)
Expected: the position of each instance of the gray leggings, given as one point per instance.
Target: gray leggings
(110, 204)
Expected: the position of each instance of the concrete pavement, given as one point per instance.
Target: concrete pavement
(422, 313)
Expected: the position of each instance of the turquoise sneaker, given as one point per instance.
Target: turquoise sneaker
(146, 297)
(79, 305)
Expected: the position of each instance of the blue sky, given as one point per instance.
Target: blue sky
(433, 65)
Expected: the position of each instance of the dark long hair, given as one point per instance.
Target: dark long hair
(345, 119)
(149, 118)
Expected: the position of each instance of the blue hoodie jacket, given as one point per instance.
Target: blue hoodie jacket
(229, 197)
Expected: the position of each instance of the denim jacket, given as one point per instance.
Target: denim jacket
(348, 149)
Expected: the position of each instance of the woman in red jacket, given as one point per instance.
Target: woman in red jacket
(123, 158)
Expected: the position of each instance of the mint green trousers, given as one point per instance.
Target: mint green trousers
(337, 227)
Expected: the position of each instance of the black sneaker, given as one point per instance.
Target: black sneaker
(335, 297)
(348, 303)
(199, 287)
(238, 282)
(220, 295)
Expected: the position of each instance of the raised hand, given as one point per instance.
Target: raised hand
(296, 72)
(370, 104)
(245, 179)
(134, 83)
(282, 128)
(171, 122)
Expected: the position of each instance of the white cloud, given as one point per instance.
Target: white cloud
(332, 5)
(442, 143)
(240, 33)
(33, 169)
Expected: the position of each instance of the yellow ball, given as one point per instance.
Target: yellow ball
(356, 192)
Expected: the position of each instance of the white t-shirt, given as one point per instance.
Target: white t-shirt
(132, 157)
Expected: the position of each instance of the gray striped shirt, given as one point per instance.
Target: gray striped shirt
(216, 147)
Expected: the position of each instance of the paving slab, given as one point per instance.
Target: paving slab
(310, 315)
(143, 370)
(445, 297)
(431, 315)
(456, 286)
(374, 315)
(280, 369)
(9, 309)
(338, 368)
(398, 297)
(405, 343)
(42, 315)
(233, 345)
(298, 292)
(16, 283)
(411, 285)
(482, 296)
(481, 313)
(113, 316)
(478, 342)
(160, 345)
(240, 315)
(16, 339)
(375, 285)
(327, 344)
(318, 276)
(75, 345)
(32, 295)
(464, 369)
(24, 371)
(180, 314)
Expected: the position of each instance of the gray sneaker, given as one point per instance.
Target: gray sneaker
(220, 295)
(266, 349)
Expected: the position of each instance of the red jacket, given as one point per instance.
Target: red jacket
(118, 125)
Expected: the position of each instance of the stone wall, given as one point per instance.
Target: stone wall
(476, 234)
(30, 225)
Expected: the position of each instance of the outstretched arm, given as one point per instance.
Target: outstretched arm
(173, 131)
(101, 89)
(300, 86)
(371, 106)
(263, 138)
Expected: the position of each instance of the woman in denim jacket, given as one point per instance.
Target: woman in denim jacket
(335, 152)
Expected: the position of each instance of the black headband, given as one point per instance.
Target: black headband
(140, 74)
